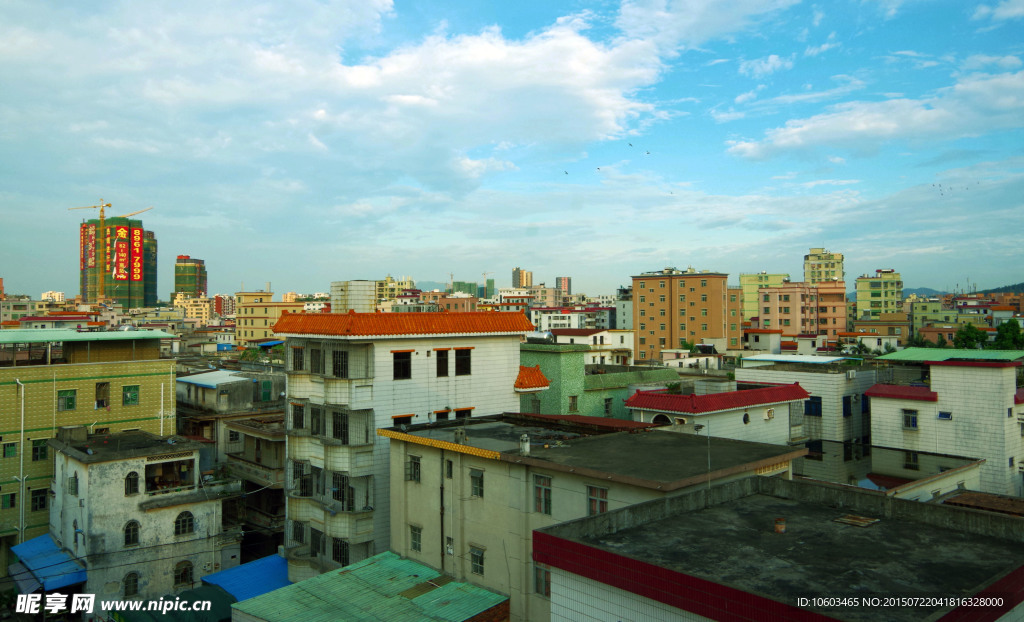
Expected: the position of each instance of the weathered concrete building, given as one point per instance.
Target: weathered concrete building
(134, 509)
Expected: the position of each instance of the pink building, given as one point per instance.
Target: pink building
(802, 308)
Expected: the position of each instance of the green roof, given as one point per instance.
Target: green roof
(949, 354)
(383, 587)
(51, 335)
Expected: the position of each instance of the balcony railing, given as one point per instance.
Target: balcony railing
(254, 472)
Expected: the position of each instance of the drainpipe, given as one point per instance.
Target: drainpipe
(443, 544)
(161, 409)
(21, 468)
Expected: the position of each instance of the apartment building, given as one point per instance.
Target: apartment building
(109, 381)
(959, 402)
(750, 284)
(804, 308)
(671, 307)
(879, 293)
(607, 347)
(521, 278)
(823, 265)
(349, 374)
(256, 313)
(466, 499)
(133, 509)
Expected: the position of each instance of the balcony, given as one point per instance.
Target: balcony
(261, 518)
(213, 490)
(254, 472)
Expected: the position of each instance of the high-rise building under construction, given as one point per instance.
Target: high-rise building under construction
(121, 254)
(189, 277)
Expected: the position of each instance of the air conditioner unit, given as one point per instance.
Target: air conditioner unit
(769, 414)
(681, 421)
(851, 374)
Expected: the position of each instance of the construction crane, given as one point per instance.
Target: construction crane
(486, 293)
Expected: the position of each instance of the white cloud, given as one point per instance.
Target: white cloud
(824, 47)
(1007, 9)
(761, 67)
(979, 61)
(829, 182)
(749, 95)
(977, 104)
(672, 24)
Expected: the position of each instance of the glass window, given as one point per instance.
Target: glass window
(541, 580)
(10, 450)
(476, 560)
(39, 498)
(66, 399)
(130, 395)
(131, 584)
(415, 538)
(131, 533)
(340, 360)
(597, 500)
(131, 484)
(39, 450)
(463, 362)
(183, 574)
(298, 416)
(184, 523)
(442, 363)
(412, 469)
(402, 365)
(542, 494)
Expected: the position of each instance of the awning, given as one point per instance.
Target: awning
(25, 580)
(48, 565)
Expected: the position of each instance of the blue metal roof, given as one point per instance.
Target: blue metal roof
(51, 566)
(252, 579)
(212, 379)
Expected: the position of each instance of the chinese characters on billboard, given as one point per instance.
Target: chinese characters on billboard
(120, 259)
(136, 254)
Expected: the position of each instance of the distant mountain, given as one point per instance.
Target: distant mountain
(431, 285)
(1019, 287)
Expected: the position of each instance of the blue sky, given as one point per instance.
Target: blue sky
(305, 142)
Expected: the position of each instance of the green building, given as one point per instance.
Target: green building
(189, 277)
(465, 287)
(579, 389)
(120, 255)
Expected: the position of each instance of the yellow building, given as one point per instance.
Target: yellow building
(750, 283)
(256, 314)
(195, 308)
(108, 381)
(879, 293)
(823, 265)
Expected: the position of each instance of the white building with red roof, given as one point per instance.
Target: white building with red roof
(350, 374)
(765, 415)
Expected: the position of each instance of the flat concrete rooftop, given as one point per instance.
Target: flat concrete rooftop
(122, 445)
(735, 544)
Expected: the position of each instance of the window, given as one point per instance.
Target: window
(597, 500)
(183, 574)
(541, 580)
(415, 538)
(442, 363)
(184, 523)
(412, 469)
(812, 407)
(316, 421)
(299, 531)
(131, 584)
(703, 297)
(102, 394)
(131, 533)
(704, 312)
(910, 460)
(402, 365)
(297, 359)
(847, 405)
(339, 427)
(316, 361)
(463, 413)
(909, 419)
(608, 402)
(66, 399)
(476, 559)
(39, 498)
(339, 551)
(131, 484)
(574, 403)
(234, 436)
(340, 361)
(39, 451)
(449, 468)
(542, 494)
(476, 482)
(463, 362)
(317, 542)
(8, 501)
(10, 450)
(130, 395)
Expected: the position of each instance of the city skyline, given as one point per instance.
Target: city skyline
(309, 143)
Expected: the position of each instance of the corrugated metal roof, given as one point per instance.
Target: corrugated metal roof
(52, 567)
(715, 402)
(946, 354)
(49, 335)
(211, 379)
(372, 590)
(400, 324)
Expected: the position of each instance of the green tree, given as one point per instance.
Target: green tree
(940, 342)
(969, 337)
(1008, 336)
(889, 348)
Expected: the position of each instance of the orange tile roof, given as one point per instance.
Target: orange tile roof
(354, 324)
(531, 378)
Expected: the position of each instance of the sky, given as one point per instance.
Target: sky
(305, 142)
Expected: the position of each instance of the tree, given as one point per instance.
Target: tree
(889, 348)
(918, 341)
(940, 342)
(1008, 336)
(970, 337)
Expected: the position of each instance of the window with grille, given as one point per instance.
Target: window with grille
(316, 542)
(130, 395)
(297, 359)
(597, 500)
(339, 551)
(476, 560)
(299, 532)
(298, 416)
(39, 499)
(131, 484)
(542, 494)
(66, 399)
(316, 421)
(340, 364)
(412, 469)
(541, 581)
(415, 538)
(131, 584)
(183, 574)
(184, 523)
(476, 482)
(339, 427)
(316, 361)
(131, 533)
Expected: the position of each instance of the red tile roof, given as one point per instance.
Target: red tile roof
(896, 392)
(354, 324)
(715, 402)
(576, 332)
(531, 378)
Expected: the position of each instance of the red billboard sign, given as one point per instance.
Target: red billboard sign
(136, 254)
(90, 242)
(120, 260)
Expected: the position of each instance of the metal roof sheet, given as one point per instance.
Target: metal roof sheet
(715, 402)
(799, 358)
(52, 567)
(252, 579)
(51, 335)
(211, 379)
(946, 354)
(372, 590)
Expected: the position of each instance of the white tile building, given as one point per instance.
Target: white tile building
(349, 374)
